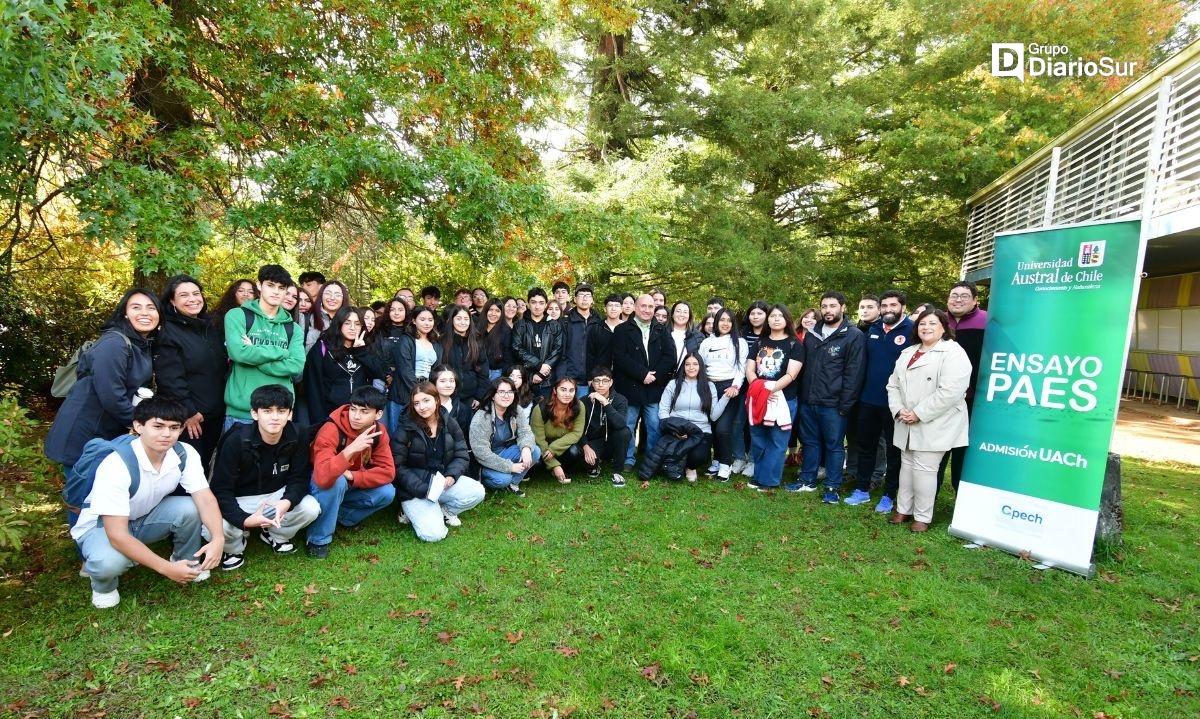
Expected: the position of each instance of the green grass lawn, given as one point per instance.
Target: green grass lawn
(665, 601)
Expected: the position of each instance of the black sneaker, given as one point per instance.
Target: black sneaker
(318, 551)
(594, 471)
(618, 480)
(284, 547)
(230, 562)
(516, 490)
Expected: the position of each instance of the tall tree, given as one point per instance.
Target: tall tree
(158, 119)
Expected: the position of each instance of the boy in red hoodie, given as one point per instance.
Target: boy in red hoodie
(352, 468)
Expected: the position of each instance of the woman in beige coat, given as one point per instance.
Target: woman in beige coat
(927, 398)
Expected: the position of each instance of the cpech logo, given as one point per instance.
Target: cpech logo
(1015, 515)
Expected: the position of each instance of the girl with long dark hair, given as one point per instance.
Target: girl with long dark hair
(773, 374)
(692, 397)
(724, 354)
(110, 373)
(190, 362)
(497, 337)
(338, 364)
(501, 439)
(462, 349)
(415, 355)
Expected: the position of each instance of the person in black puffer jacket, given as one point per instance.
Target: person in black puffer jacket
(431, 458)
(190, 363)
(339, 363)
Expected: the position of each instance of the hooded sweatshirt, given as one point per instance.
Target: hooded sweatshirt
(372, 467)
(270, 358)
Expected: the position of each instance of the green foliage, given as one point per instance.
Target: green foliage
(24, 473)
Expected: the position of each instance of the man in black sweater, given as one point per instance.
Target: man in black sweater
(260, 477)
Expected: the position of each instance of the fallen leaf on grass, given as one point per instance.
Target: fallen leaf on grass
(279, 588)
(995, 705)
(318, 681)
(827, 681)
(340, 701)
(350, 669)
(1112, 673)
(191, 703)
(607, 704)
(903, 681)
(445, 636)
(514, 639)
(949, 668)
(816, 712)
(699, 679)
(650, 671)
(567, 651)
(644, 485)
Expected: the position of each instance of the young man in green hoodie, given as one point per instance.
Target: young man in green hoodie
(265, 346)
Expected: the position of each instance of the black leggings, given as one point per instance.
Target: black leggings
(722, 435)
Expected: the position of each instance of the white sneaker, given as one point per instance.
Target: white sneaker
(201, 577)
(452, 520)
(402, 518)
(748, 469)
(736, 467)
(723, 472)
(105, 600)
(691, 476)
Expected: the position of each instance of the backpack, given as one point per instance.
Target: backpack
(289, 328)
(82, 474)
(67, 375)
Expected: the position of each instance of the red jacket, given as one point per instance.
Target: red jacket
(373, 467)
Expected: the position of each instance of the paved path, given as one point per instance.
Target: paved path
(1157, 433)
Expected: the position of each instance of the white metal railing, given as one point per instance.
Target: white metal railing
(1099, 169)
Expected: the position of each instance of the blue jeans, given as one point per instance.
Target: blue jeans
(176, 517)
(768, 448)
(230, 421)
(649, 415)
(392, 415)
(495, 479)
(345, 505)
(823, 432)
(582, 390)
(494, 374)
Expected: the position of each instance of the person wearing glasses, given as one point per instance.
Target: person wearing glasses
(501, 439)
(968, 321)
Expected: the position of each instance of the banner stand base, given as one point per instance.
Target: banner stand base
(1042, 566)
(1087, 572)
(974, 545)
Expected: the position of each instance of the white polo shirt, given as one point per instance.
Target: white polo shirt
(110, 491)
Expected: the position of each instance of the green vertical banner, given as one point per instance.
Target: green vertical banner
(1048, 390)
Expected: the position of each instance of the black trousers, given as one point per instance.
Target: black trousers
(613, 448)
(723, 427)
(874, 422)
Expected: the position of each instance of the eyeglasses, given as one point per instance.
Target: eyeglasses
(960, 295)
(504, 392)
(602, 380)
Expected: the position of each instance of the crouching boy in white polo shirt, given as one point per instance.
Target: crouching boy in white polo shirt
(114, 527)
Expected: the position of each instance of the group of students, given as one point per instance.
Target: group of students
(298, 411)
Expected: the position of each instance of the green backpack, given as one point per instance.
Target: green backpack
(67, 375)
